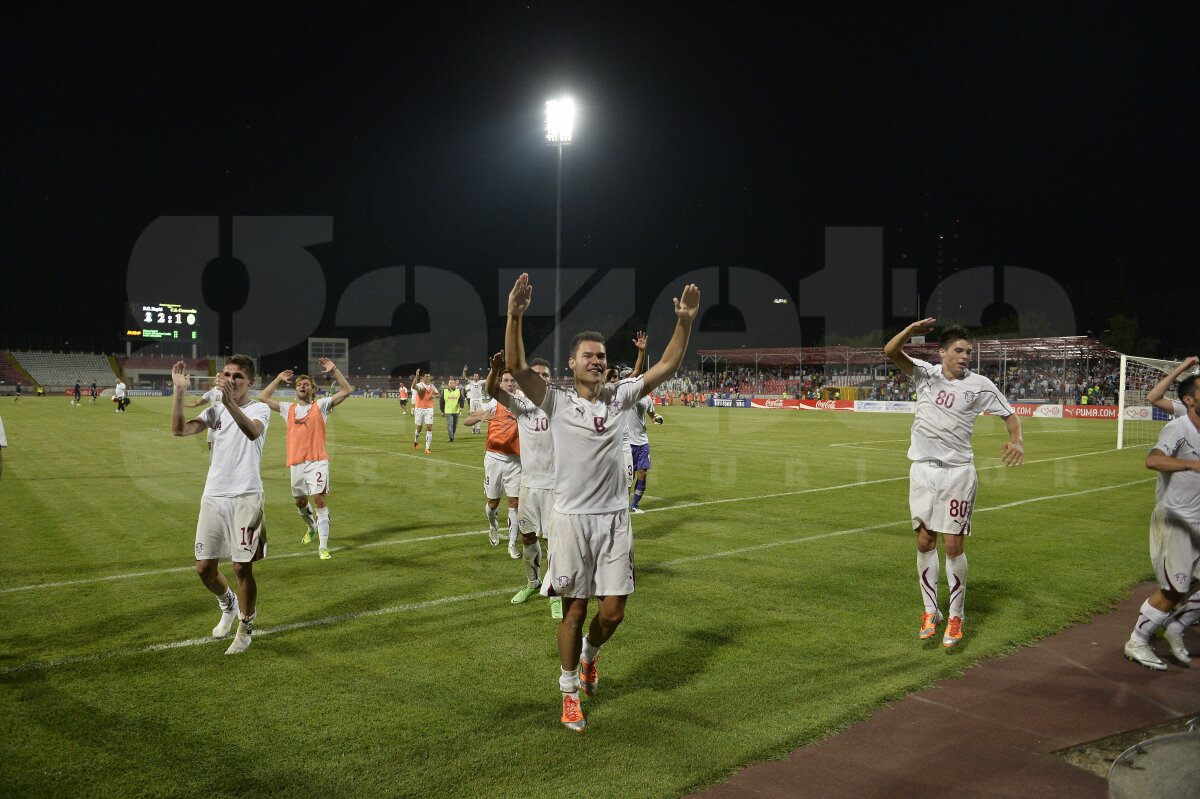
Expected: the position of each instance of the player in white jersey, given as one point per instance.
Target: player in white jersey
(232, 525)
(474, 389)
(537, 471)
(1174, 536)
(3, 444)
(1157, 396)
(591, 546)
(942, 479)
(639, 444)
(119, 396)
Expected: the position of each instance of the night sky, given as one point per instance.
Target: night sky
(1063, 141)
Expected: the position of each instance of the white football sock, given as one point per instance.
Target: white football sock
(307, 516)
(323, 526)
(532, 558)
(1149, 620)
(493, 515)
(226, 602)
(568, 681)
(589, 652)
(956, 578)
(429, 440)
(1186, 614)
(928, 572)
(512, 526)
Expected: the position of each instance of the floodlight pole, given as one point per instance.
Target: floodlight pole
(558, 264)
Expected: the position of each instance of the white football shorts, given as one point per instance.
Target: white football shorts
(1174, 550)
(310, 478)
(591, 554)
(501, 474)
(232, 528)
(422, 416)
(942, 498)
(535, 507)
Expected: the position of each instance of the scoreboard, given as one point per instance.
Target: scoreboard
(162, 320)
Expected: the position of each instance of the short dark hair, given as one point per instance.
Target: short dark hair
(244, 361)
(587, 335)
(1187, 386)
(953, 333)
(539, 362)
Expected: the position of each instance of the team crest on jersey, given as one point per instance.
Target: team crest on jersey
(1181, 578)
(562, 582)
(969, 396)
(199, 549)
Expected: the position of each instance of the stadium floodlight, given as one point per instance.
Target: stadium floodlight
(560, 129)
(560, 121)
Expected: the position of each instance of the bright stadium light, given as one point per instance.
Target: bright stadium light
(560, 128)
(560, 120)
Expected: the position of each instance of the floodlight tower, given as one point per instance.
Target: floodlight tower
(560, 126)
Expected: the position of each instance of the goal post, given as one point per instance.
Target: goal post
(1138, 422)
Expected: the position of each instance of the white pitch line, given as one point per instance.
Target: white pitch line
(421, 458)
(41, 665)
(175, 569)
(705, 503)
(848, 531)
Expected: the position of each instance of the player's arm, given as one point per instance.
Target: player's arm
(1013, 450)
(179, 425)
(464, 374)
(686, 307)
(265, 395)
(492, 382)
(514, 344)
(344, 387)
(639, 341)
(894, 349)
(197, 403)
(1159, 461)
(1158, 395)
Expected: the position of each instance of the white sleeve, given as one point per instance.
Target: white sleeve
(210, 416)
(260, 411)
(997, 403)
(325, 405)
(554, 401)
(922, 370)
(629, 391)
(283, 409)
(1180, 409)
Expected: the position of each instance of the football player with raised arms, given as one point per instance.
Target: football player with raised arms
(307, 458)
(942, 479)
(232, 524)
(591, 544)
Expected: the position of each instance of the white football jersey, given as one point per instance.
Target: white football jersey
(588, 465)
(1179, 492)
(475, 391)
(119, 390)
(3, 440)
(946, 413)
(537, 444)
(636, 422)
(236, 460)
(214, 395)
(1179, 410)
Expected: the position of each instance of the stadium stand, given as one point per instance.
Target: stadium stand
(161, 362)
(10, 375)
(61, 369)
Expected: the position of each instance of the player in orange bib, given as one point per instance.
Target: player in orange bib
(501, 461)
(423, 393)
(403, 394)
(306, 456)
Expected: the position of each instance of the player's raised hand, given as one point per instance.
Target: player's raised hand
(520, 296)
(1190, 361)
(286, 376)
(179, 376)
(921, 327)
(640, 340)
(1012, 454)
(327, 365)
(688, 303)
(497, 362)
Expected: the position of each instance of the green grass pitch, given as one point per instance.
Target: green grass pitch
(776, 603)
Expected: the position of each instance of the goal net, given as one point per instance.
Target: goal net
(1138, 422)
